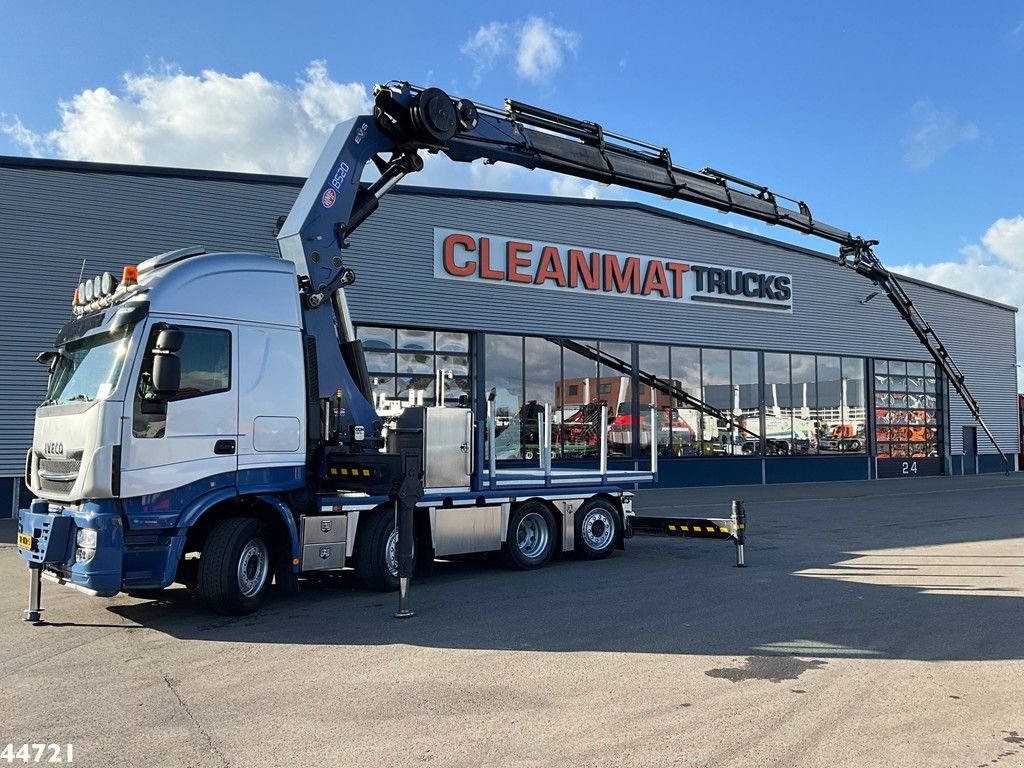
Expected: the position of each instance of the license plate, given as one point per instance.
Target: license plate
(24, 541)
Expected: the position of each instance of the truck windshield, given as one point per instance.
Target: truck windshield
(88, 369)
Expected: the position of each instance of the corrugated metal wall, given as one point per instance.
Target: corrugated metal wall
(56, 215)
(52, 220)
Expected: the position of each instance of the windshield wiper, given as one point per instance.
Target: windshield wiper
(83, 398)
(51, 401)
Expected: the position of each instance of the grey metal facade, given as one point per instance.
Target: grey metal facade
(56, 215)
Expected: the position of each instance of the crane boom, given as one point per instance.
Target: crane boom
(407, 119)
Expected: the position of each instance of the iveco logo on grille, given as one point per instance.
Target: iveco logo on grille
(53, 449)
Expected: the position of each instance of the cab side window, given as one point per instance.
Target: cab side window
(205, 357)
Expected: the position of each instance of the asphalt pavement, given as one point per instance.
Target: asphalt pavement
(876, 625)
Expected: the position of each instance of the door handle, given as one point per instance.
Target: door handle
(224, 447)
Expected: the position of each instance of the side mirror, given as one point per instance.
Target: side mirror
(166, 373)
(49, 359)
(169, 340)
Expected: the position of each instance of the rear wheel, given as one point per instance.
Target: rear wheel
(234, 570)
(531, 536)
(377, 551)
(598, 528)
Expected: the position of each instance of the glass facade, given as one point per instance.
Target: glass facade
(709, 402)
(403, 362)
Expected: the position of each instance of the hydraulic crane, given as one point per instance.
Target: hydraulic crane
(407, 119)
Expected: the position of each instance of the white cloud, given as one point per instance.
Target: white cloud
(21, 135)
(993, 269)
(537, 47)
(439, 171)
(570, 186)
(489, 44)
(542, 48)
(247, 123)
(935, 132)
(212, 120)
(1005, 239)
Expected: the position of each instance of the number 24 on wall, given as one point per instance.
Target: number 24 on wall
(909, 467)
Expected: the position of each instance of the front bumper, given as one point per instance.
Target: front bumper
(53, 529)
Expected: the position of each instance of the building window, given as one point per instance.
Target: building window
(707, 402)
(814, 404)
(908, 415)
(403, 362)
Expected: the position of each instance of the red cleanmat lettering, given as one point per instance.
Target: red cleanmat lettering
(656, 279)
(677, 270)
(468, 244)
(514, 262)
(582, 270)
(623, 279)
(485, 262)
(550, 267)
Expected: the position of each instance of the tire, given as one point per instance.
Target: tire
(235, 567)
(423, 551)
(376, 552)
(531, 536)
(598, 529)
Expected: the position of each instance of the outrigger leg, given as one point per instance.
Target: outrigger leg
(35, 588)
(739, 526)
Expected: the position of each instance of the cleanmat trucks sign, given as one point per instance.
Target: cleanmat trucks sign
(501, 260)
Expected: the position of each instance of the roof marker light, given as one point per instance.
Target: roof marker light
(130, 275)
(75, 300)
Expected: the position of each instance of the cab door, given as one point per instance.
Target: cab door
(188, 443)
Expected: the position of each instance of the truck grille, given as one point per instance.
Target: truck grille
(59, 466)
(62, 472)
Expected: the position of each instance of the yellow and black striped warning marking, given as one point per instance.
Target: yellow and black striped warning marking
(705, 528)
(350, 472)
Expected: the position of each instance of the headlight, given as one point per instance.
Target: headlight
(87, 538)
(87, 291)
(106, 284)
(96, 285)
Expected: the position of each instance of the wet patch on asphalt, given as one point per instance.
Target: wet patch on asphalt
(774, 669)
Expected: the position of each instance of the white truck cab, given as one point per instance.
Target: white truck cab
(111, 449)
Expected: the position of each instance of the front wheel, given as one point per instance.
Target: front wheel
(598, 528)
(531, 536)
(234, 569)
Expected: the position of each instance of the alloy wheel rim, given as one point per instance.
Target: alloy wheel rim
(253, 567)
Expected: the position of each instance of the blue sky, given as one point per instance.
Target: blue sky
(902, 122)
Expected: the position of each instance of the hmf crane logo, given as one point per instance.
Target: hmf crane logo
(330, 195)
(496, 259)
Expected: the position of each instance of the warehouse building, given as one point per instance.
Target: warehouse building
(762, 362)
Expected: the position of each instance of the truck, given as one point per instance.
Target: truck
(844, 437)
(784, 435)
(209, 418)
